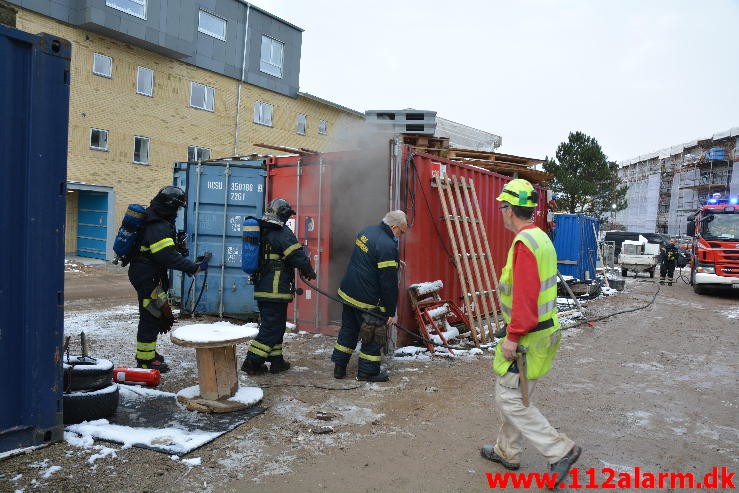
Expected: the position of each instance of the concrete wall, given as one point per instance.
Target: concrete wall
(170, 27)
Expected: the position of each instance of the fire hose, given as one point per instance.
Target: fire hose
(379, 317)
(206, 256)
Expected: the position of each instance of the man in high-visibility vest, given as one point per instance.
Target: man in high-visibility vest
(528, 298)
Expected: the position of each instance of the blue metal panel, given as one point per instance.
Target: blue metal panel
(220, 195)
(34, 103)
(576, 245)
(92, 229)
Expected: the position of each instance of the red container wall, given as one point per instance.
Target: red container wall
(305, 183)
(425, 248)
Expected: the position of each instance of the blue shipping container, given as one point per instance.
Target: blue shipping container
(34, 104)
(220, 194)
(576, 245)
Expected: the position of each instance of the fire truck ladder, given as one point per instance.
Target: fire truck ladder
(472, 258)
(432, 312)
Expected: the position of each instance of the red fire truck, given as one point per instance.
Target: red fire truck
(715, 256)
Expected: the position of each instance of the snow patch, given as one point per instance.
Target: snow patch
(221, 331)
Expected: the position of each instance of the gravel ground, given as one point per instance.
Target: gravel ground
(654, 388)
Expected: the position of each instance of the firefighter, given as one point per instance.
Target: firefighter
(668, 258)
(274, 287)
(157, 253)
(370, 283)
(528, 292)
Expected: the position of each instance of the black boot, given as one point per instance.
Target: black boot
(378, 377)
(339, 371)
(154, 364)
(279, 366)
(252, 368)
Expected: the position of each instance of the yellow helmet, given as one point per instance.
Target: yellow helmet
(519, 192)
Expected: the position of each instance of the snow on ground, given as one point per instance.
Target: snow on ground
(731, 313)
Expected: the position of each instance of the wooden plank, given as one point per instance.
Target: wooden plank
(482, 297)
(479, 228)
(207, 373)
(462, 281)
(465, 261)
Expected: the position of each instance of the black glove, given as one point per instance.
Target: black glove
(309, 274)
(203, 260)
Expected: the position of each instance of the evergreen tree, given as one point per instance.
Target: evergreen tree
(584, 180)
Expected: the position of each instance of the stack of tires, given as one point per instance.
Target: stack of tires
(89, 391)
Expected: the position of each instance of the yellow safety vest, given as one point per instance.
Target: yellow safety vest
(542, 342)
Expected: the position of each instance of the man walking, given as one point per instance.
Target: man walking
(370, 284)
(157, 253)
(274, 287)
(528, 292)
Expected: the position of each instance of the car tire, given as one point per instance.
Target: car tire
(624, 272)
(82, 373)
(651, 273)
(88, 406)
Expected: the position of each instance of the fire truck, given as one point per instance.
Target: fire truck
(714, 261)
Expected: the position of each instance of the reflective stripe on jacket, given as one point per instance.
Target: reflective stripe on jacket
(542, 344)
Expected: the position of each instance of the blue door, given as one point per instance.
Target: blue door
(92, 227)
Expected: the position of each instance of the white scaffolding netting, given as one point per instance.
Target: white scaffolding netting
(642, 198)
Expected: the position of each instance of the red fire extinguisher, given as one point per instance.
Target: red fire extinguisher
(136, 376)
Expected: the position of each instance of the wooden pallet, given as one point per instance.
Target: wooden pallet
(472, 257)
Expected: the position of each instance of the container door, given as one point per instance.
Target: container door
(305, 183)
(220, 195)
(35, 102)
(92, 224)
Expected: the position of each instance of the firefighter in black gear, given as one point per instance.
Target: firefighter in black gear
(274, 287)
(370, 283)
(148, 273)
(668, 258)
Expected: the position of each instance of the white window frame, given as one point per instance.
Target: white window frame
(301, 121)
(195, 151)
(122, 5)
(261, 114)
(272, 66)
(202, 14)
(148, 149)
(138, 75)
(103, 132)
(322, 127)
(208, 97)
(102, 58)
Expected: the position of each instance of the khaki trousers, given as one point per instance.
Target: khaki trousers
(520, 421)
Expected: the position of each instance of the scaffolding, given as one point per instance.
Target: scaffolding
(666, 186)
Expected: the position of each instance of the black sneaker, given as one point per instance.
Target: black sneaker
(253, 368)
(488, 451)
(279, 366)
(562, 466)
(379, 377)
(669, 284)
(339, 371)
(154, 364)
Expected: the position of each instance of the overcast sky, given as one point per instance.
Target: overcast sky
(637, 75)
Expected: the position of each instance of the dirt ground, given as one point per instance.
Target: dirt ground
(654, 388)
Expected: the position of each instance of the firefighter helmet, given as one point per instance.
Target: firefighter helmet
(280, 208)
(519, 192)
(171, 197)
